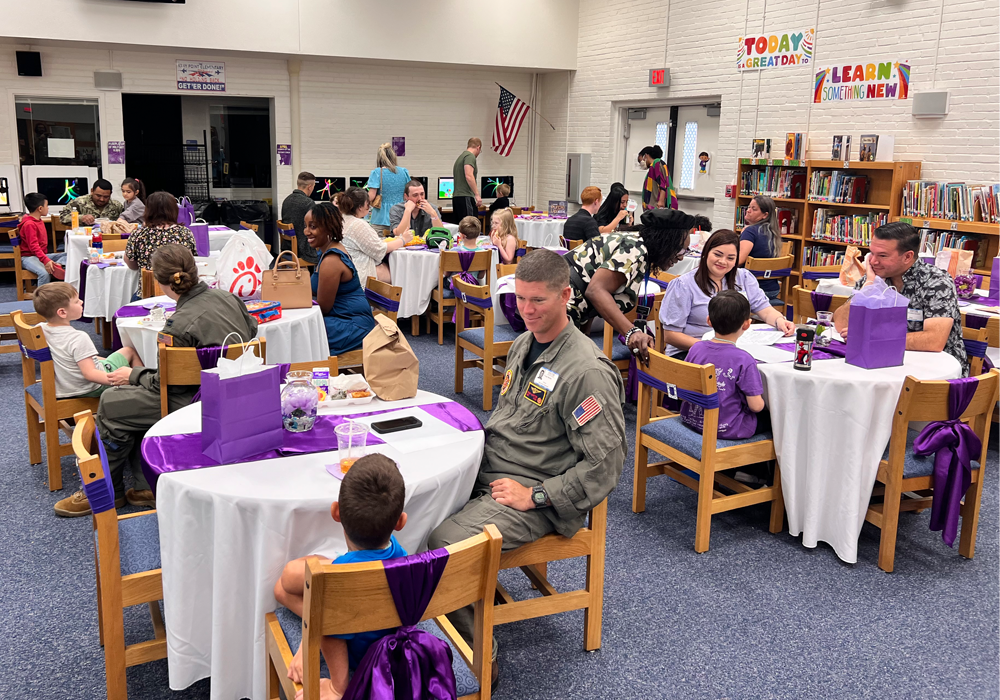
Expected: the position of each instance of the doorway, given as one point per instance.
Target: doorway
(153, 138)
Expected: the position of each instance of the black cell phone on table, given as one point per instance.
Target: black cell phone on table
(397, 424)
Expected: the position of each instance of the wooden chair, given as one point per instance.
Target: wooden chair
(252, 227)
(126, 563)
(350, 598)
(180, 366)
(58, 230)
(504, 269)
(443, 297)
(614, 349)
(706, 455)
(9, 225)
(114, 245)
(569, 243)
(812, 274)
(44, 412)
(105, 237)
(533, 558)
(976, 341)
(27, 310)
(787, 248)
(779, 269)
(489, 343)
(383, 299)
(287, 232)
(906, 475)
(804, 306)
(149, 286)
(25, 279)
(330, 363)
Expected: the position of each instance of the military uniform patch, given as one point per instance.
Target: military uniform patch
(506, 382)
(586, 410)
(535, 394)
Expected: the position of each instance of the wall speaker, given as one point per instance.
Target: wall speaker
(29, 63)
(108, 79)
(930, 105)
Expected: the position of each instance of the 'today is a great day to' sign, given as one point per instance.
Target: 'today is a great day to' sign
(775, 50)
(883, 80)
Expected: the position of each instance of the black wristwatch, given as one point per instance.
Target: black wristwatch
(539, 497)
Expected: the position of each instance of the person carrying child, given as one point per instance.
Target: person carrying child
(370, 508)
(35, 241)
(80, 371)
(740, 388)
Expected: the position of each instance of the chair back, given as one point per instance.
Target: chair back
(477, 301)
(504, 269)
(990, 323)
(34, 348)
(805, 303)
(330, 363)
(150, 287)
(111, 237)
(115, 245)
(95, 476)
(787, 248)
(287, 230)
(779, 268)
(183, 366)
(383, 297)
(451, 261)
(811, 274)
(685, 381)
(252, 227)
(569, 243)
(976, 342)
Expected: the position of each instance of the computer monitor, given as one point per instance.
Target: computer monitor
(359, 181)
(60, 191)
(4, 193)
(446, 187)
(326, 187)
(488, 186)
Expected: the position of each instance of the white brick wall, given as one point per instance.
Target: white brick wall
(618, 44)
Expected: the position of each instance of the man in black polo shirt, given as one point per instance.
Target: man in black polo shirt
(582, 226)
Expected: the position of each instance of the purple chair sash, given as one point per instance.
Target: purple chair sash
(955, 445)
(768, 274)
(43, 355)
(508, 305)
(658, 282)
(101, 494)
(812, 275)
(977, 348)
(175, 453)
(975, 321)
(820, 301)
(380, 300)
(15, 240)
(708, 401)
(409, 663)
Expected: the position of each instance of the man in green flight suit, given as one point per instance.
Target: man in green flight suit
(96, 205)
(555, 444)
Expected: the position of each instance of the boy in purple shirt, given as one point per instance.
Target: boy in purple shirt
(739, 384)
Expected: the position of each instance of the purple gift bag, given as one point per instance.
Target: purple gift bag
(240, 416)
(994, 296)
(877, 328)
(185, 211)
(201, 243)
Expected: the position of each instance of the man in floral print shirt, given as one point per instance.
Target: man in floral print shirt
(933, 321)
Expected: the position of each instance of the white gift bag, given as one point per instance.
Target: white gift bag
(241, 265)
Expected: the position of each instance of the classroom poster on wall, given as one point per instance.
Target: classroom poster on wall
(775, 50)
(201, 76)
(399, 145)
(284, 154)
(116, 153)
(868, 80)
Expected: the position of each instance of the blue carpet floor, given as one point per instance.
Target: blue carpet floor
(757, 616)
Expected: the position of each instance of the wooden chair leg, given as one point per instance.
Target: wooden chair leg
(459, 368)
(594, 613)
(778, 504)
(114, 654)
(703, 520)
(639, 479)
(34, 436)
(487, 383)
(52, 457)
(440, 322)
(106, 334)
(970, 517)
(415, 325)
(890, 523)
(100, 603)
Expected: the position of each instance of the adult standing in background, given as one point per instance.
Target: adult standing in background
(134, 193)
(293, 211)
(366, 248)
(614, 210)
(761, 239)
(385, 187)
(657, 191)
(581, 226)
(466, 200)
(96, 205)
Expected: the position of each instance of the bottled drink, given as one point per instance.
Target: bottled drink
(75, 216)
(96, 240)
(804, 337)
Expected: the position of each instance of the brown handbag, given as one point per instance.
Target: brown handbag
(377, 201)
(288, 283)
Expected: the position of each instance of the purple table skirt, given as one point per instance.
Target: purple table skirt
(182, 452)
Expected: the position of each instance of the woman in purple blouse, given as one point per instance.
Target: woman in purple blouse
(684, 311)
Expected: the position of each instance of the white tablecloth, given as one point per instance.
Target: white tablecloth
(298, 336)
(416, 271)
(833, 286)
(108, 289)
(77, 245)
(227, 532)
(686, 264)
(831, 426)
(540, 232)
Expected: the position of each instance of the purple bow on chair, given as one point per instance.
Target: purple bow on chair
(464, 259)
(955, 445)
(820, 301)
(408, 664)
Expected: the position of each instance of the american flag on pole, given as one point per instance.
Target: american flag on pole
(510, 113)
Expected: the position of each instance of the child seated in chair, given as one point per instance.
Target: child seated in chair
(740, 388)
(370, 507)
(80, 371)
(469, 231)
(35, 241)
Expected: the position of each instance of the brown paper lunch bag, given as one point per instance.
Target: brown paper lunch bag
(391, 367)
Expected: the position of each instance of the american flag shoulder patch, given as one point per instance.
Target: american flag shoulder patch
(586, 410)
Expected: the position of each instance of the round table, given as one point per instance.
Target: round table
(107, 289)
(833, 286)
(831, 426)
(227, 531)
(298, 336)
(539, 232)
(416, 272)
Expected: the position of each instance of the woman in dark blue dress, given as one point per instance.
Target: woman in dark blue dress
(761, 238)
(335, 283)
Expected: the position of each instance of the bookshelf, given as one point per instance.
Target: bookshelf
(990, 233)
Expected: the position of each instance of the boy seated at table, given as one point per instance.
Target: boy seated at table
(469, 231)
(79, 370)
(35, 241)
(740, 388)
(370, 508)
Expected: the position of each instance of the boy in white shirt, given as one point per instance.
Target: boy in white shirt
(79, 370)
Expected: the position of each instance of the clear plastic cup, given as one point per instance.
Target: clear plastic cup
(352, 438)
(825, 319)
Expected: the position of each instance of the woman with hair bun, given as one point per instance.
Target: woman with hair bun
(204, 318)
(335, 284)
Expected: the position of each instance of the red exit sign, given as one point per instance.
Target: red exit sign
(659, 77)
